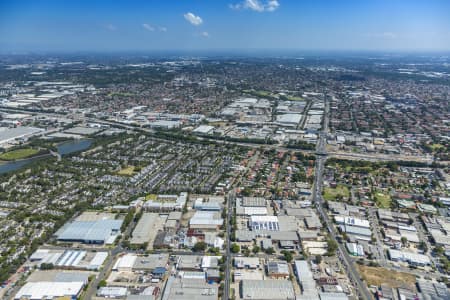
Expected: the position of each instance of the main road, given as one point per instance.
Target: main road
(230, 202)
(321, 158)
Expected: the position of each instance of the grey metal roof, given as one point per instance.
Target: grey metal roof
(90, 231)
(267, 289)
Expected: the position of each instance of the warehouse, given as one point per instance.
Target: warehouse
(264, 223)
(267, 290)
(90, 232)
(9, 135)
(206, 220)
(289, 119)
(352, 221)
(254, 202)
(355, 249)
(306, 280)
(246, 262)
(49, 290)
(189, 289)
(277, 269)
(418, 260)
(112, 292)
(145, 228)
(204, 129)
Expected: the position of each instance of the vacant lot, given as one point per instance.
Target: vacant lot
(128, 171)
(377, 276)
(18, 154)
(341, 191)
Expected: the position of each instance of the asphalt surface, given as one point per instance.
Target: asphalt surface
(321, 158)
(230, 201)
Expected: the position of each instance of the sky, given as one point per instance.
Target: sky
(155, 25)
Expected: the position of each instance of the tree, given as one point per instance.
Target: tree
(287, 255)
(404, 240)
(256, 249)
(423, 246)
(318, 259)
(235, 248)
(270, 250)
(199, 247)
(332, 247)
(102, 283)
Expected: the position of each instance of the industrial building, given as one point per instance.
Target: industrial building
(50, 290)
(21, 133)
(306, 280)
(246, 262)
(277, 269)
(206, 220)
(289, 119)
(271, 289)
(349, 221)
(133, 262)
(269, 223)
(76, 259)
(166, 203)
(90, 232)
(144, 229)
(355, 249)
(189, 289)
(413, 259)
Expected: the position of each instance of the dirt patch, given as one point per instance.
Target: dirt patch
(377, 276)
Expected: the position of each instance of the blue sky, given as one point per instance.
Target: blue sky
(116, 25)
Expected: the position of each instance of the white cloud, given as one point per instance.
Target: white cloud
(148, 27)
(193, 19)
(110, 27)
(162, 29)
(204, 34)
(257, 5)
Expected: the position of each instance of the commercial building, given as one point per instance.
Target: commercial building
(271, 289)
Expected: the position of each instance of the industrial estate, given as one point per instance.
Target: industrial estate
(224, 179)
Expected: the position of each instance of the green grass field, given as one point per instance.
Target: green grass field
(383, 200)
(19, 154)
(331, 194)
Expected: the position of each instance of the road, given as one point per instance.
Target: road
(92, 288)
(230, 202)
(321, 158)
(338, 154)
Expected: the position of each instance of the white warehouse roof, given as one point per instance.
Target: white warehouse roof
(49, 290)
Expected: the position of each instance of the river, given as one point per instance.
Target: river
(63, 149)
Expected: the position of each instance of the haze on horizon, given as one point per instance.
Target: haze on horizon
(51, 25)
